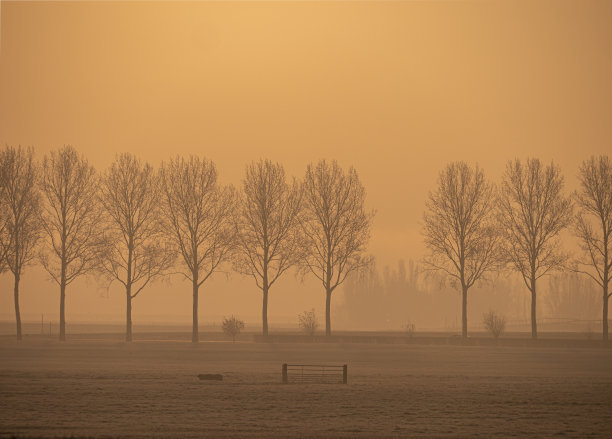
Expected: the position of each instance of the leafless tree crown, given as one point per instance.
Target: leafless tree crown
(533, 212)
(21, 201)
(135, 252)
(70, 215)
(197, 213)
(459, 227)
(266, 223)
(594, 200)
(335, 223)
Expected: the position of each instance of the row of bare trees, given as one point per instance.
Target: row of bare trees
(320, 226)
(133, 224)
(473, 228)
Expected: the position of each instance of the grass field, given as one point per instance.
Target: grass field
(107, 388)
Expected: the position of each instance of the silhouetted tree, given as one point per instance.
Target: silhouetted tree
(198, 218)
(232, 327)
(21, 199)
(335, 226)
(70, 218)
(135, 253)
(459, 229)
(266, 225)
(533, 211)
(594, 200)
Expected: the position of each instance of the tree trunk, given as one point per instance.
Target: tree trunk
(606, 279)
(62, 325)
(605, 313)
(17, 313)
(264, 312)
(128, 316)
(195, 333)
(328, 312)
(464, 331)
(534, 323)
(128, 294)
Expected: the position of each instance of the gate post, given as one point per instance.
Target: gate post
(285, 380)
(344, 374)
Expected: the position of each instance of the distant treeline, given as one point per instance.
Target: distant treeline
(396, 297)
(133, 224)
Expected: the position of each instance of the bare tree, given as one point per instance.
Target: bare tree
(533, 211)
(232, 326)
(459, 229)
(308, 322)
(594, 200)
(70, 219)
(198, 216)
(266, 227)
(134, 253)
(21, 199)
(335, 227)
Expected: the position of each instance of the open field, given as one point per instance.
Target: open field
(108, 388)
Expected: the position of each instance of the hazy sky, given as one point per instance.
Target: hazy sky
(396, 89)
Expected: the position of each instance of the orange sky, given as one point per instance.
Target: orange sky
(396, 89)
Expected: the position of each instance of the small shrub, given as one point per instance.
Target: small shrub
(308, 322)
(494, 323)
(232, 327)
(410, 329)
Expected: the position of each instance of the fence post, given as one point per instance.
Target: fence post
(285, 380)
(344, 374)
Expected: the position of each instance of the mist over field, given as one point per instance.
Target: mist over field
(296, 219)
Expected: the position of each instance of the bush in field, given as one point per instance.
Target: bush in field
(410, 329)
(494, 323)
(232, 327)
(308, 322)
